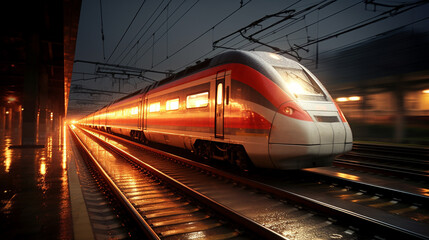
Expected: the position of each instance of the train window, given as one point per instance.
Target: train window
(197, 100)
(219, 94)
(134, 110)
(155, 107)
(300, 84)
(172, 104)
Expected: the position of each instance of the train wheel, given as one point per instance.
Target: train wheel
(142, 138)
(242, 160)
(203, 150)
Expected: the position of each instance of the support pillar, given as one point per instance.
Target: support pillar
(31, 80)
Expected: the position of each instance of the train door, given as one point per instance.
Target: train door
(220, 104)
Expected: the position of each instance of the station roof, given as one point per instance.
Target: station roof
(54, 24)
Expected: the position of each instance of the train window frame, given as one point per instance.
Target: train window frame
(190, 102)
(168, 106)
(155, 107)
(304, 92)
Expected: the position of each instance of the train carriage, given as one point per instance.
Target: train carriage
(249, 108)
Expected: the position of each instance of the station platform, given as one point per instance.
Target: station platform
(40, 195)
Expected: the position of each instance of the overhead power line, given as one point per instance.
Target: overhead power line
(138, 33)
(123, 35)
(205, 32)
(102, 31)
(122, 67)
(161, 36)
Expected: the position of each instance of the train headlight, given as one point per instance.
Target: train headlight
(294, 110)
(288, 111)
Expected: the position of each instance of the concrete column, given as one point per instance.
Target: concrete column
(43, 99)
(31, 79)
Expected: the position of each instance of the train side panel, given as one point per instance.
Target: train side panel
(123, 117)
(179, 115)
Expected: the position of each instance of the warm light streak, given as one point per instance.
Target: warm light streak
(354, 98)
(7, 112)
(346, 99)
(73, 121)
(52, 116)
(342, 99)
(426, 91)
(72, 126)
(424, 191)
(348, 176)
(49, 147)
(42, 168)
(7, 155)
(64, 163)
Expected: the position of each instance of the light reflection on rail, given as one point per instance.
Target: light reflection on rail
(348, 176)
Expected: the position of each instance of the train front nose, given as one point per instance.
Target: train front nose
(308, 135)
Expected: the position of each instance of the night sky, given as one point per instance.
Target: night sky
(194, 25)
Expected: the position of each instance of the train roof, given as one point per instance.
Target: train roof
(257, 60)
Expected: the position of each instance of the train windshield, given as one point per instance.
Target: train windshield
(300, 84)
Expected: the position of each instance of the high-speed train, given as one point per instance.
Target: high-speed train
(249, 108)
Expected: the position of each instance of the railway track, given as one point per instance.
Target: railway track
(406, 162)
(287, 213)
(163, 207)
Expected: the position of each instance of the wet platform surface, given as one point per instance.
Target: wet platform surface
(34, 186)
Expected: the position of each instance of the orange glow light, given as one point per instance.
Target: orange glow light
(354, 98)
(11, 99)
(348, 176)
(342, 99)
(426, 91)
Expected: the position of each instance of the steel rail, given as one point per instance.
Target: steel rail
(362, 221)
(419, 154)
(411, 198)
(86, 154)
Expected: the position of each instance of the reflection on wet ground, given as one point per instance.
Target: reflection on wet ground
(34, 193)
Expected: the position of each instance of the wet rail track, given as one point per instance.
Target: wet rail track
(405, 162)
(161, 211)
(291, 215)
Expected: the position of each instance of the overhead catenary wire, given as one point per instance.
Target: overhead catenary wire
(394, 11)
(129, 25)
(138, 33)
(389, 13)
(102, 31)
(154, 41)
(299, 29)
(205, 32)
(367, 39)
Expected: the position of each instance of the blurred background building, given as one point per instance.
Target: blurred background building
(382, 86)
